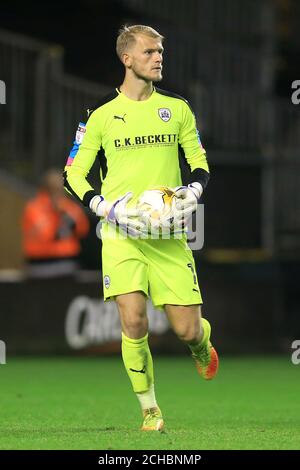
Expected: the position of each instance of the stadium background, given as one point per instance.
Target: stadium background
(235, 62)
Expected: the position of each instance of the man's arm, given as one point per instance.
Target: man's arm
(195, 154)
(82, 156)
(86, 146)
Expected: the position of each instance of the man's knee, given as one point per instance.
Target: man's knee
(189, 334)
(133, 316)
(133, 322)
(186, 324)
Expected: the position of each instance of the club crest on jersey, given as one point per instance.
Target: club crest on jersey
(106, 281)
(164, 114)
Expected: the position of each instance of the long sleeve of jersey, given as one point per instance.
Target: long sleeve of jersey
(195, 154)
(86, 146)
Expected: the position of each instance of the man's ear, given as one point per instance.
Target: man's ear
(127, 61)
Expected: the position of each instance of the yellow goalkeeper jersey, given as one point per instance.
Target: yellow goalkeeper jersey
(138, 144)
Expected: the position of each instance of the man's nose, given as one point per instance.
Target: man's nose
(158, 57)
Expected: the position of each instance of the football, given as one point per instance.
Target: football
(157, 208)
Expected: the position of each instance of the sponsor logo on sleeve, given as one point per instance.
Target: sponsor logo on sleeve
(80, 133)
(198, 138)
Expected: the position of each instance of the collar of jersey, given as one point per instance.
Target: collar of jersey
(129, 100)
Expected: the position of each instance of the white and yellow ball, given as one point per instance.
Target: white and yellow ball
(157, 208)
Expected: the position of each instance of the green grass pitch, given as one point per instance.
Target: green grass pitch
(87, 403)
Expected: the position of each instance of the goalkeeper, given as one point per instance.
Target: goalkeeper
(136, 131)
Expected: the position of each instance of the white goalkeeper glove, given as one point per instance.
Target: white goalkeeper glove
(116, 213)
(187, 198)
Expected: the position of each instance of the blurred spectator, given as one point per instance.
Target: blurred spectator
(52, 226)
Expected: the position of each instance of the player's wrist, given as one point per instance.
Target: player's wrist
(99, 206)
(197, 189)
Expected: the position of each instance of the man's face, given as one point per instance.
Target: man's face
(144, 58)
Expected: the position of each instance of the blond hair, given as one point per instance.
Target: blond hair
(126, 37)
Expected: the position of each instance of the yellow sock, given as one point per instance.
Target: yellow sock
(138, 362)
(206, 331)
(205, 338)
